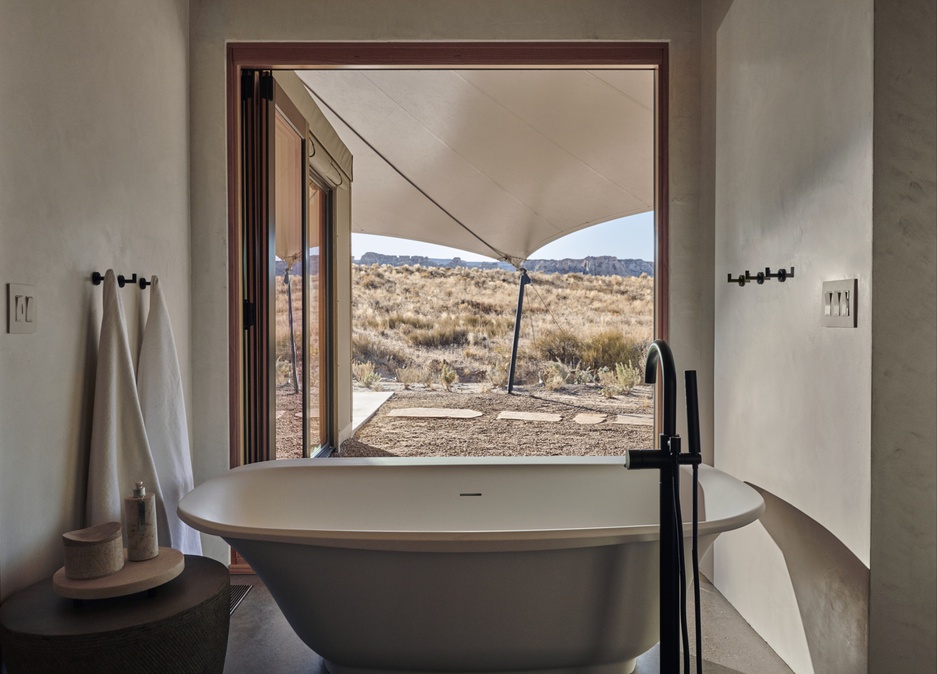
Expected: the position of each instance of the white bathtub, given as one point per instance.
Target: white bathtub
(461, 565)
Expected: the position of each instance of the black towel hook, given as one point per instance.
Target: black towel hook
(97, 278)
(781, 275)
(759, 277)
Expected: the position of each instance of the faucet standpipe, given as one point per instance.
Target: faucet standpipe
(668, 459)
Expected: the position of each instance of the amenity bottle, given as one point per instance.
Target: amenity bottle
(140, 525)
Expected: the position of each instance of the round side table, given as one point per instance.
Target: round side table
(180, 626)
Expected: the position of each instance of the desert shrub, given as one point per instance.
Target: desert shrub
(370, 281)
(444, 333)
(365, 348)
(527, 371)
(558, 344)
(556, 374)
(629, 375)
(398, 321)
(493, 324)
(621, 380)
(408, 376)
(365, 375)
(497, 375)
(608, 347)
(447, 376)
(581, 375)
(479, 307)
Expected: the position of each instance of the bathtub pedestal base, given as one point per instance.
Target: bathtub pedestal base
(625, 667)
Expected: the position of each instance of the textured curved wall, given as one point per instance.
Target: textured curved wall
(791, 105)
(903, 617)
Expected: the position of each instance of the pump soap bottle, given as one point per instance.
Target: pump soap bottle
(140, 525)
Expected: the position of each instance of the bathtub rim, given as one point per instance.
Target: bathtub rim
(489, 540)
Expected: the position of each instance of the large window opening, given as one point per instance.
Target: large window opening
(440, 179)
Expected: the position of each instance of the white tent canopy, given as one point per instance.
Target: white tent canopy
(496, 162)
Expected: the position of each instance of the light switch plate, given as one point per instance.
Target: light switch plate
(838, 304)
(22, 315)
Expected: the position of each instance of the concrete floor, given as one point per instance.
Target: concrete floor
(261, 640)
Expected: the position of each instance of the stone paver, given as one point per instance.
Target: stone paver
(530, 416)
(634, 420)
(434, 413)
(589, 418)
(584, 418)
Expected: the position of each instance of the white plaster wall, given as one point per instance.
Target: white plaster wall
(93, 174)
(903, 600)
(792, 116)
(216, 21)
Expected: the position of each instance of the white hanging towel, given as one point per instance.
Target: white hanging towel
(120, 454)
(159, 383)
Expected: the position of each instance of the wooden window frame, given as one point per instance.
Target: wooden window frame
(443, 55)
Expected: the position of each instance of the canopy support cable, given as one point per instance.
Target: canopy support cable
(510, 259)
(550, 310)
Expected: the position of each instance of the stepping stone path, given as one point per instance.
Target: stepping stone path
(434, 413)
(588, 418)
(530, 416)
(634, 420)
(584, 418)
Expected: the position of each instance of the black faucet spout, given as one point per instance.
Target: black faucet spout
(659, 352)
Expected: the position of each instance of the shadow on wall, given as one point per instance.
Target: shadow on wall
(830, 583)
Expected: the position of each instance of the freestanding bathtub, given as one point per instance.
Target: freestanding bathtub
(461, 565)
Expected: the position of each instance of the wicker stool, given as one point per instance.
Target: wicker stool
(181, 626)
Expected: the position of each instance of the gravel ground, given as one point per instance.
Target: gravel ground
(489, 436)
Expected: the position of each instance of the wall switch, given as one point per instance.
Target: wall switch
(22, 314)
(838, 304)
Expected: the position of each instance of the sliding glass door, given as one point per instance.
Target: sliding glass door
(285, 218)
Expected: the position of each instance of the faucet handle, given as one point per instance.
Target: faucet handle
(692, 412)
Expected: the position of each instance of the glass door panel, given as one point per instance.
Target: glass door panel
(288, 324)
(314, 316)
(285, 218)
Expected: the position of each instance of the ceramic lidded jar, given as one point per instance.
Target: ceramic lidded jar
(93, 552)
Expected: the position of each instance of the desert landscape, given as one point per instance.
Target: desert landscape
(441, 338)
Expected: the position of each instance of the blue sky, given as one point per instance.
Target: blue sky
(631, 237)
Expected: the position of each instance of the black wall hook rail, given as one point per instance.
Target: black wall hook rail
(97, 278)
(781, 275)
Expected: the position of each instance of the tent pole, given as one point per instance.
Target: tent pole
(289, 304)
(525, 279)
